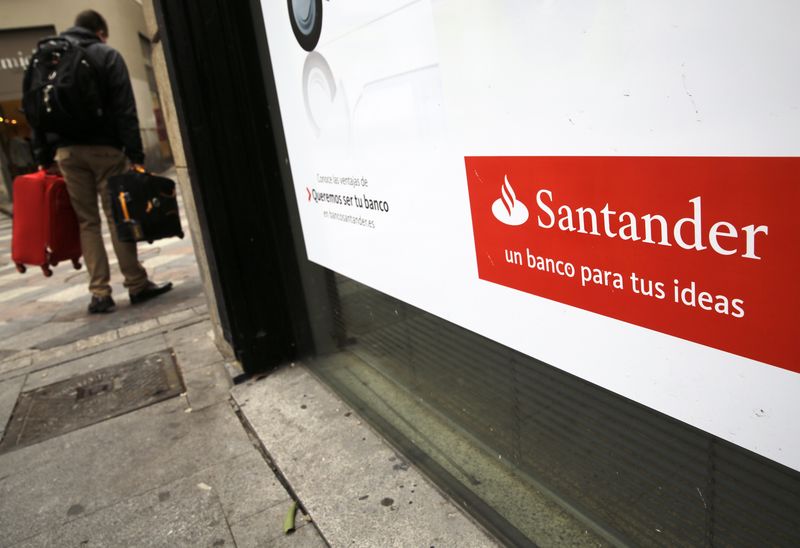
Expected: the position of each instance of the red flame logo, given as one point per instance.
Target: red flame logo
(507, 209)
(509, 198)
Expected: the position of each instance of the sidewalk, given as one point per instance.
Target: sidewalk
(121, 430)
(182, 471)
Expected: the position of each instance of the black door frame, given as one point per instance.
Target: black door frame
(235, 166)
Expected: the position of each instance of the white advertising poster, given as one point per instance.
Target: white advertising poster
(609, 187)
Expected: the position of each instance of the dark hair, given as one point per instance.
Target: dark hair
(91, 20)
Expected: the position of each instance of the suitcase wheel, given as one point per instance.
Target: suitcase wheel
(46, 271)
(21, 268)
(76, 264)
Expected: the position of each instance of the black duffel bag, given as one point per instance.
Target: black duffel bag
(145, 207)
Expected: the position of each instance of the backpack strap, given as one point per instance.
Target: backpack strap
(85, 49)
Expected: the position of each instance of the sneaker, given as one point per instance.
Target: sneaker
(150, 290)
(101, 305)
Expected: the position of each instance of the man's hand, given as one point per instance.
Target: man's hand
(51, 169)
(138, 168)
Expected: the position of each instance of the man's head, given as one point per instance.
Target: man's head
(93, 21)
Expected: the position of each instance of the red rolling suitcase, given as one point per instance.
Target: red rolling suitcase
(45, 229)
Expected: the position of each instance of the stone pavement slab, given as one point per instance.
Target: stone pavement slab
(132, 336)
(10, 366)
(206, 386)
(175, 317)
(265, 530)
(194, 346)
(245, 486)
(356, 488)
(34, 337)
(203, 509)
(9, 390)
(13, 328)
(176, 514)
(187, 295)
(108, 462)
(117, 354)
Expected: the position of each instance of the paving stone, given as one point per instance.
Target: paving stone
(344, 473)
(152, 264)
(109, 462)
(189, 294)
(55, 354)
(42, 311)
(9, 391)
(10, 294)
(7, 354)
(207, 385)
(75, 403)
(306, 537)
(176, 514)
(194, 347)
(13, 365)
(137, 328)
(96, 340)
(102, 358)
(265, 529)
(76, 310)
(245, 485)
(233, 368)
(176, 317)
(13, 327)
(32, 337)
(66, 295)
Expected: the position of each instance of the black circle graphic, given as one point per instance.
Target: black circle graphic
(305, 17)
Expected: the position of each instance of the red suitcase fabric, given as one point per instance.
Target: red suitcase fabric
(28, 240)
(61, 224)
(45, 228)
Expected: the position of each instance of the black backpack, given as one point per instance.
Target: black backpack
(61, 89)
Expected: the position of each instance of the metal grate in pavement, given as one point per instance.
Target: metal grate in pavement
(90, 398)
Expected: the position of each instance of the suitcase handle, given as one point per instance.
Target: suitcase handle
(124, 204)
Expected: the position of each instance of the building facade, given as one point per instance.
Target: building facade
(26, 22)
(547, 250)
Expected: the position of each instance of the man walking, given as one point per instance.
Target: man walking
(89, 158)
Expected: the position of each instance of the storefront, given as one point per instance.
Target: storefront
(16, 156)
(549, 250)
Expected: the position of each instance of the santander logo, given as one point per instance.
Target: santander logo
(507, 209)
(700, 248)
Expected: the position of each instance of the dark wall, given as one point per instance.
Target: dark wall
(215, 71)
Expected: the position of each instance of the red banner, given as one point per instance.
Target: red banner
(705, 249)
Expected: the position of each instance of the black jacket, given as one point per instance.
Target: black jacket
(120, 127)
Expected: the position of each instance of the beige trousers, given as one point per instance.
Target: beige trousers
(86, 169)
